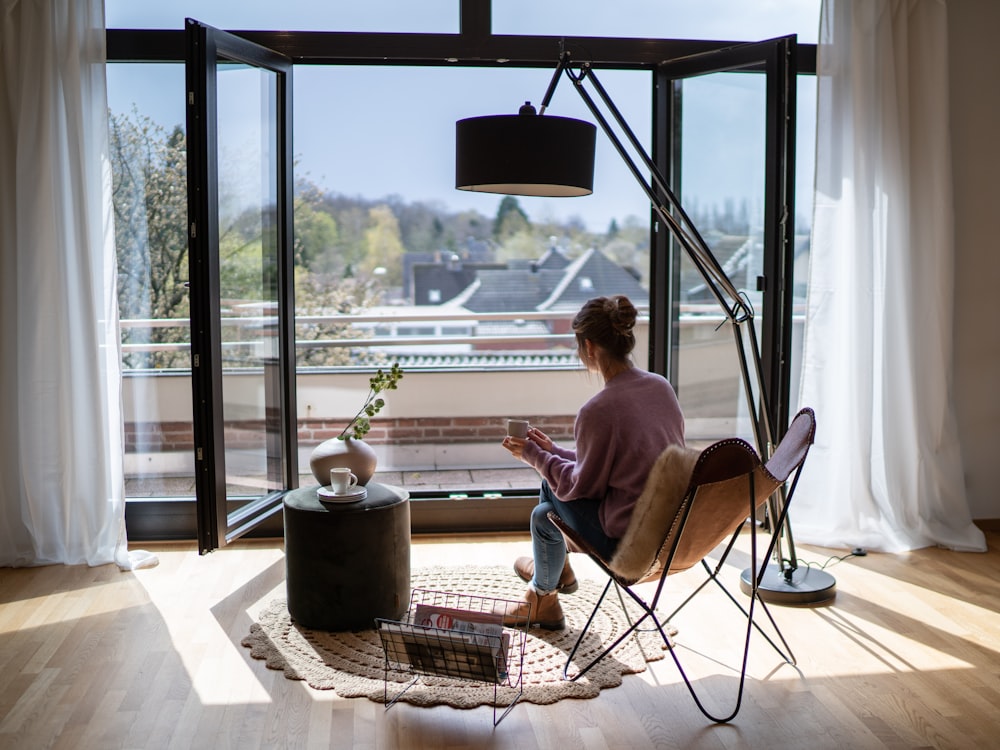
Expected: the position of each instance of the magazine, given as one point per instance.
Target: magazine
(483, 628)
(448, 641)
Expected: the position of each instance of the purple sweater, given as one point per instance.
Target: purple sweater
(619, 434)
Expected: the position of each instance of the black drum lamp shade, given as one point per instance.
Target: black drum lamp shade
(525, 154)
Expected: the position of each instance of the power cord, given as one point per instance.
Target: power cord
(856, 552)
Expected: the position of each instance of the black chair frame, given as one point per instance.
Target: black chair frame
(777, 480)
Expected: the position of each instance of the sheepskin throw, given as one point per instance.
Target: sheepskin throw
(655, 510)
(731, 484)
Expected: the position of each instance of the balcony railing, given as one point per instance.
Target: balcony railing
(449, 411)
(367, 323)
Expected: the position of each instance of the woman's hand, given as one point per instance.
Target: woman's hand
(515, 446)
(540, 439)
(536, 436)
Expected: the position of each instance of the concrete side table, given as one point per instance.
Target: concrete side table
(347, 563)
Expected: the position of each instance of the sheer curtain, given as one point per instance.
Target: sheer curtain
(886, 471)
(61, 444)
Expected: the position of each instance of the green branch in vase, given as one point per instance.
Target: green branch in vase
(381, 381)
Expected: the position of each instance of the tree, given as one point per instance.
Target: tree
(149, 198)
(325, 295)
(241, 261)
(510, 220)
(383, 246)
(524, 245)
(351, 218)
(421, 227)
(316, 239)
(348, 250)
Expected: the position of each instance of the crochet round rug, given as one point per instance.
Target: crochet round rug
(353, 663)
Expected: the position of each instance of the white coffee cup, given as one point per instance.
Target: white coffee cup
(341, 480)
(517, 428)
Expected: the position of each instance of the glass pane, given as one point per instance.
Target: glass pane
(805, 167)
(148, 158)
(248, 243)
(725, 20)
(471, 293)
(427, 16)
(722, 189)
(398, 151)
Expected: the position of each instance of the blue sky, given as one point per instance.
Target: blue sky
(379, 131)
(740, 20)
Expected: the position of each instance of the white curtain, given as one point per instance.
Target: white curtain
(886, 470)
(61, 443)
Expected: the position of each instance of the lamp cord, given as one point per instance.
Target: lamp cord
(833, 560)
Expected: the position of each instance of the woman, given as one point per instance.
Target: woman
(619, 434)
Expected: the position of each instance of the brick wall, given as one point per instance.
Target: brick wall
(152, 437)
(434, 429)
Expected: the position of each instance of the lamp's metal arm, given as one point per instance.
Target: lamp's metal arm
(668, 206)
(563, 62)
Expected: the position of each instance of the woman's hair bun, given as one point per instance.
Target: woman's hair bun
(621, 313)
(608, 322)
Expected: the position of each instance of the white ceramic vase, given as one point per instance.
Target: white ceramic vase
(355, 454)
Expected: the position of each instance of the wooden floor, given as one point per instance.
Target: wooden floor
(907, 656)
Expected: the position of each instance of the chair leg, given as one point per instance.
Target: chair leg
(752, 624)
(647, 613)
(713, 575)
(693, 594)
(583, 633)
(719, 718)
(646, 607)
(786, 652)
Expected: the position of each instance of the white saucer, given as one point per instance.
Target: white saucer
(327, 495)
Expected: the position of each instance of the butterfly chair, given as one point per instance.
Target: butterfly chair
(693, 501)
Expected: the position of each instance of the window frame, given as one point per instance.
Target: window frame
(473, 46)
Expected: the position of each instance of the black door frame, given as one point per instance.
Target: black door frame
(218, 522)
(777, 60)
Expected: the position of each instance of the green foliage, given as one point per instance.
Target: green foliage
(149, 173)
(317, 234)
(384, 246)
(524, 244)
(322, 296)
(510, 220)
(381, 381)
(315, 239)
(348, 250)
(422, 226)
(242, 272)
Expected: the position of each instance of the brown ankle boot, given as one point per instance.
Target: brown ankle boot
(525, 569)
(543, 611)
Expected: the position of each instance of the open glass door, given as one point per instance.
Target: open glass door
(242, 313)
(708, 105)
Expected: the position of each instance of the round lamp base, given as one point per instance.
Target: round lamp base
(803, 585)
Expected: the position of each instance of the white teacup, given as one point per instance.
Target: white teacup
(517, 428)
(342, 480)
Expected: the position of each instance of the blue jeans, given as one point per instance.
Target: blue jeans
(548, 545)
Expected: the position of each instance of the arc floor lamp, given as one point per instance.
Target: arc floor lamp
(534, 154)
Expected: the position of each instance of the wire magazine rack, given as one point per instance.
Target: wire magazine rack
(461, 636)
